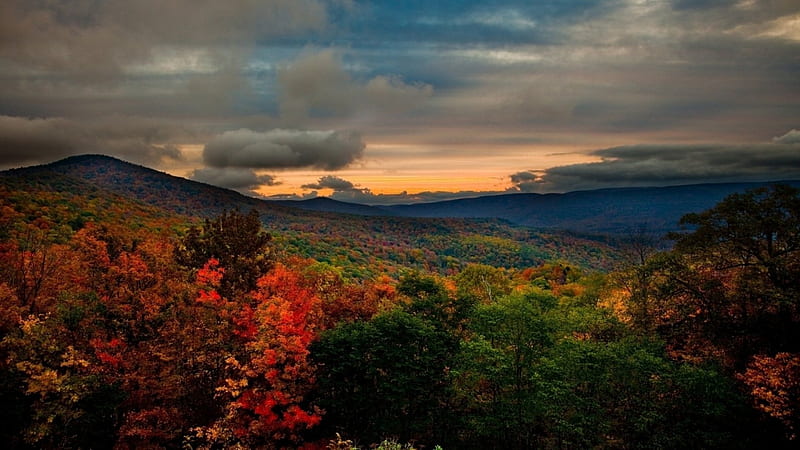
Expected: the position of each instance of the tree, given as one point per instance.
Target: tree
(732, 281)
(774, 384)
(638, 275)
(482, 282)
(385, 377)
(239, 244)
(267, 383)
(495, 372)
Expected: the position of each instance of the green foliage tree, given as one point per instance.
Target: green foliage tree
(627, 393)
(385, 377)
(430, 300)
(482, 282)
(237, 241)
(495, 376)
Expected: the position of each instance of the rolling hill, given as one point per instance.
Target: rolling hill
(602, 211)
(360, 244)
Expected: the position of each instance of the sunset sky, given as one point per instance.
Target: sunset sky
(397, 101)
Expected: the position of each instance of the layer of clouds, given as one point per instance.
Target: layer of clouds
(317, 84)
(572, 73)
(280, 149)
(30, 141)
(601, 67)
(662, 165)
(94, 40)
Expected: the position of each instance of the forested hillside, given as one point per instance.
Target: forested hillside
(361, 244)
(129, 323)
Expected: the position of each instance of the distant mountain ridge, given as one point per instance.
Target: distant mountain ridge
(327, 204)
(375, 244)
(602, 211)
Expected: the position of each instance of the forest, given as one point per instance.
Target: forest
(124, 325)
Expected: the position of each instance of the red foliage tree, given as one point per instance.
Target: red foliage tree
(270, 378)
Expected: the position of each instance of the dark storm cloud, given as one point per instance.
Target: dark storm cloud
(233, 178)
(329, 150)
(659, 165)
(28, 141)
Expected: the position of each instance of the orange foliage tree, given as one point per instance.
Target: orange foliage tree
(774, 383)
(268, 380)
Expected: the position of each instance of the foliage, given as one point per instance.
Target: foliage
(728, 293)
(124, 326)
(738, 272)
(384, 377)
(774, 384)
(237, 242)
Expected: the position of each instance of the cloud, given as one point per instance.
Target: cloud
(660, 165)
(791, 137)
(280, 149)
(331, 182)
(367, 197)
(97, 40)
(525, 181)
(318, 85)
(233, 178)
(346, 191)
(522, 177)
(29, 141)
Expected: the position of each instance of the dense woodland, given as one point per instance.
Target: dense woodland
(125, 325)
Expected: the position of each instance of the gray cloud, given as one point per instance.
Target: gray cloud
(96, 40)
(346, 191)
(233, 178)
(367, 197)
(525, 181)
(659, 165)
(279, 148)
(791, 137)
(523, 177)
(29, 141)
(331, 182)
(318, 85)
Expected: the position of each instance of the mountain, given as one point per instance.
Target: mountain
(614, 211)
(602, 211)
(327, 204)
(150, 186)
(360, 244)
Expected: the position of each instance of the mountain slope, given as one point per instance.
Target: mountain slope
(326, 204)
(615, 211)
(360, 244)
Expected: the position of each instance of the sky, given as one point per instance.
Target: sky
(402, 101)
